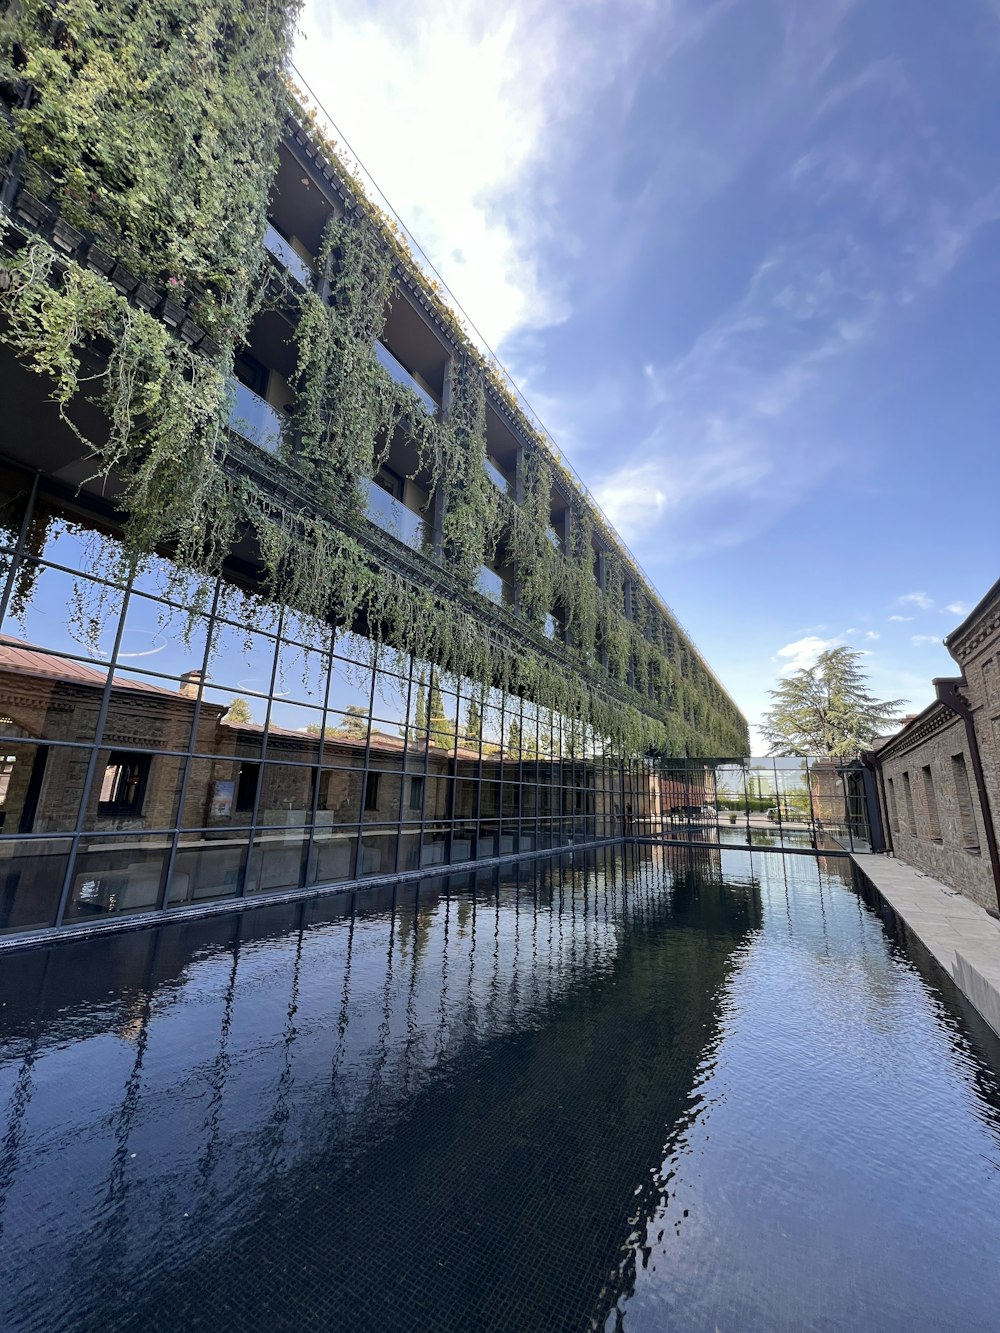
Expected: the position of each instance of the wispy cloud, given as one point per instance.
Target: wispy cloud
(803, 653)
(956, 609)
(901, 620)
(916, 599)
(459, 110)
(919, 640)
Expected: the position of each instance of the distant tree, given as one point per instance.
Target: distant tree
(474, 721)
(420, 714)
(355, 722)
(514, 739)
(438, 723)
(827, 710)
(238, 712)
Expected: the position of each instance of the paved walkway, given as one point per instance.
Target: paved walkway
(962, 936)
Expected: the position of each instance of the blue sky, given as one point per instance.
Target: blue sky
(742, 258)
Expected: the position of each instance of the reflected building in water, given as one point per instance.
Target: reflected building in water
(352, 1060)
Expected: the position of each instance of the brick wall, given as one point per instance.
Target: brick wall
(930, 797)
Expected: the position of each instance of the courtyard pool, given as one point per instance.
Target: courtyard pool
(644, 1089)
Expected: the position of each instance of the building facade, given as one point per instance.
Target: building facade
(939, 777)
(294, 592)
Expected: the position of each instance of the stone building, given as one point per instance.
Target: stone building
(939, 777)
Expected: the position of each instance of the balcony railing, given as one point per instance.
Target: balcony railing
(392, 516)
(498, 479)
(289, 259)
(494, 587)
(254, 419)
(402, 376)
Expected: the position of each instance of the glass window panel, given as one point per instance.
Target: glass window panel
(240, 659)
(333, 855)
(220, 793)
(277, 861)
(31, 879)
(391, 695)
(286, 795)
(378, 851)
(409, 850)
(294, 731)
(40, 787)
(61, 537)
(302, 675)
(382, 797)
(116, 875)
(147, 713)
(207, 866)
(162, 639)
(339, 797)
(43, 695)
(66, 614)
(133, 790)
(230, 723)
(349, 726)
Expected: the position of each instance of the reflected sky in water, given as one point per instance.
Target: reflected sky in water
(644, 1090)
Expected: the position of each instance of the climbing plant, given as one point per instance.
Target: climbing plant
(154, 129)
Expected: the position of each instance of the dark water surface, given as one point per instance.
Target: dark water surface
(677, 1090)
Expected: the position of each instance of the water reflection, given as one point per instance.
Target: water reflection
(633, 1090)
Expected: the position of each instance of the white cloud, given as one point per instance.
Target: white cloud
(957, 609)
(872, 634)
(901, 619)
(916, 599)
(918, 640)
(803, 653)
(459, 110)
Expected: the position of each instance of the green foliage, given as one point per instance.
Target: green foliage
(827, 710)
(239, 711)
(155, 127)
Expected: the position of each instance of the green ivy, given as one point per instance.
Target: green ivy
(155, 129)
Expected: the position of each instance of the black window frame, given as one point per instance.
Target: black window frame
(120, 804)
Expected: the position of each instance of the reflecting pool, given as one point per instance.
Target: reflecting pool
(645, 1089)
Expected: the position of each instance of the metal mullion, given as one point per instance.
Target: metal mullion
(248, 863)
(171, 863)
(319, 768)
(17, 555)
(406, 777)
(365, 770)
(88, 781)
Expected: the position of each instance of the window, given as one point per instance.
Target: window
(893, 811)
(371, 790)
(390, 481)
(123, 787)
(416, 793)
(963, 794)
(933, 818)
(246, 788)
(911, 819)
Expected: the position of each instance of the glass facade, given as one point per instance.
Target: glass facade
(167, 744)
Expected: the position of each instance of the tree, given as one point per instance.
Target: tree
(355, 722)
(238, 712)
(827, 710)
(474, 721)
(438, 723)
(514, 739)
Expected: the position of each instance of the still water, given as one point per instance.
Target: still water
(658, 1089)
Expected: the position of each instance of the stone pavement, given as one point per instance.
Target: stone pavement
(961, 935)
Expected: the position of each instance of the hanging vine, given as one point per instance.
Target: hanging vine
(154, 129)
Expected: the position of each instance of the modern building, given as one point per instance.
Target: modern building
(939, 776)
(294, 593)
